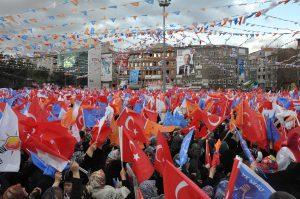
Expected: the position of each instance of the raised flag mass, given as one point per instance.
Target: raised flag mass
(118, 100)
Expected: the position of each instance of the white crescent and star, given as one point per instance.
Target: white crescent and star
(136, 156)
(180, 186)
(131, 144)
(247, 115)
(156, 153)
(213, 123)
(127, 121)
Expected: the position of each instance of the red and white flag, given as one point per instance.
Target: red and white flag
(162, 153)
(131, 152)
(179, 186)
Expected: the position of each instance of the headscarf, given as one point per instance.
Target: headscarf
(209, 190)
(96, 181)
(221, 189)
(284, 157)
(114, 155)
(148, 189)
(108, 192)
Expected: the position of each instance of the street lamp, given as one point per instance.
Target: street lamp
(164, 4)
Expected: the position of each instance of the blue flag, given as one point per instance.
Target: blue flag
(91, 117)
(202, 103)
(175, 120)
(272, 131)
(138, 107)
(247, 184)
(284, 102)
(47, 170)
(183, 156)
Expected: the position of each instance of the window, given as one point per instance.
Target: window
(151, 64)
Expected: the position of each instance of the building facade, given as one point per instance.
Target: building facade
(149, 63)
(220, 66)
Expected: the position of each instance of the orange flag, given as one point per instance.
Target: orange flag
(135, 4)
(75, 2)
(152, 129)
(191, 107)
(114, 136)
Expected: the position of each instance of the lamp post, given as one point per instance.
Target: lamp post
(164, 4)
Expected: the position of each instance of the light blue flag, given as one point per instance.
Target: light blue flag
(183, 156)
(138, 107)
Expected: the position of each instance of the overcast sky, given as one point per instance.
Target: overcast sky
(148, 16)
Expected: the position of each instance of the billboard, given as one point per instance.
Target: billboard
(106, 67)
(185, 65)
(134, 76)
(94, 68)
(121, 61)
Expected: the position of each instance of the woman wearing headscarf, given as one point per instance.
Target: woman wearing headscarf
(149, 189)
(96, 188)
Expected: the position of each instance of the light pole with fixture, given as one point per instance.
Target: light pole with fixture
(164, 4)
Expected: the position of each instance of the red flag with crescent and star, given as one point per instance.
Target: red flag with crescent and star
(253, 125)
(179, 186)
(162, 153)
(132, 153)
(133, 124)
(211, 121)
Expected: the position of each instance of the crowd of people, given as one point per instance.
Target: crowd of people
(98, 170)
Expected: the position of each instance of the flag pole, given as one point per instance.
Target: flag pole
(232, 179)
(121, 144)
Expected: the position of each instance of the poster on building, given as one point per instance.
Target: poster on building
(121, 61)
(241, 68)
(185, 65)
(134, 76)
(106, 66)
(94, 68)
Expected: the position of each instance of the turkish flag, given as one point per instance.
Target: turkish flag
(100, 134)
(133, 124)
(141, 164)
(293, 142)
(162, 153)
(151, 115)
(79, 119)
(52, 138)
(253, 125)
(128, 118)
(179, 186)
(36, 111)
(211, 121)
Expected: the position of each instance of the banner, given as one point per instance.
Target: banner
(134, 76)
(241, 67)
(106, 67)
(121, 61)
(94, 68)
(10, 155)
(185, 65)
